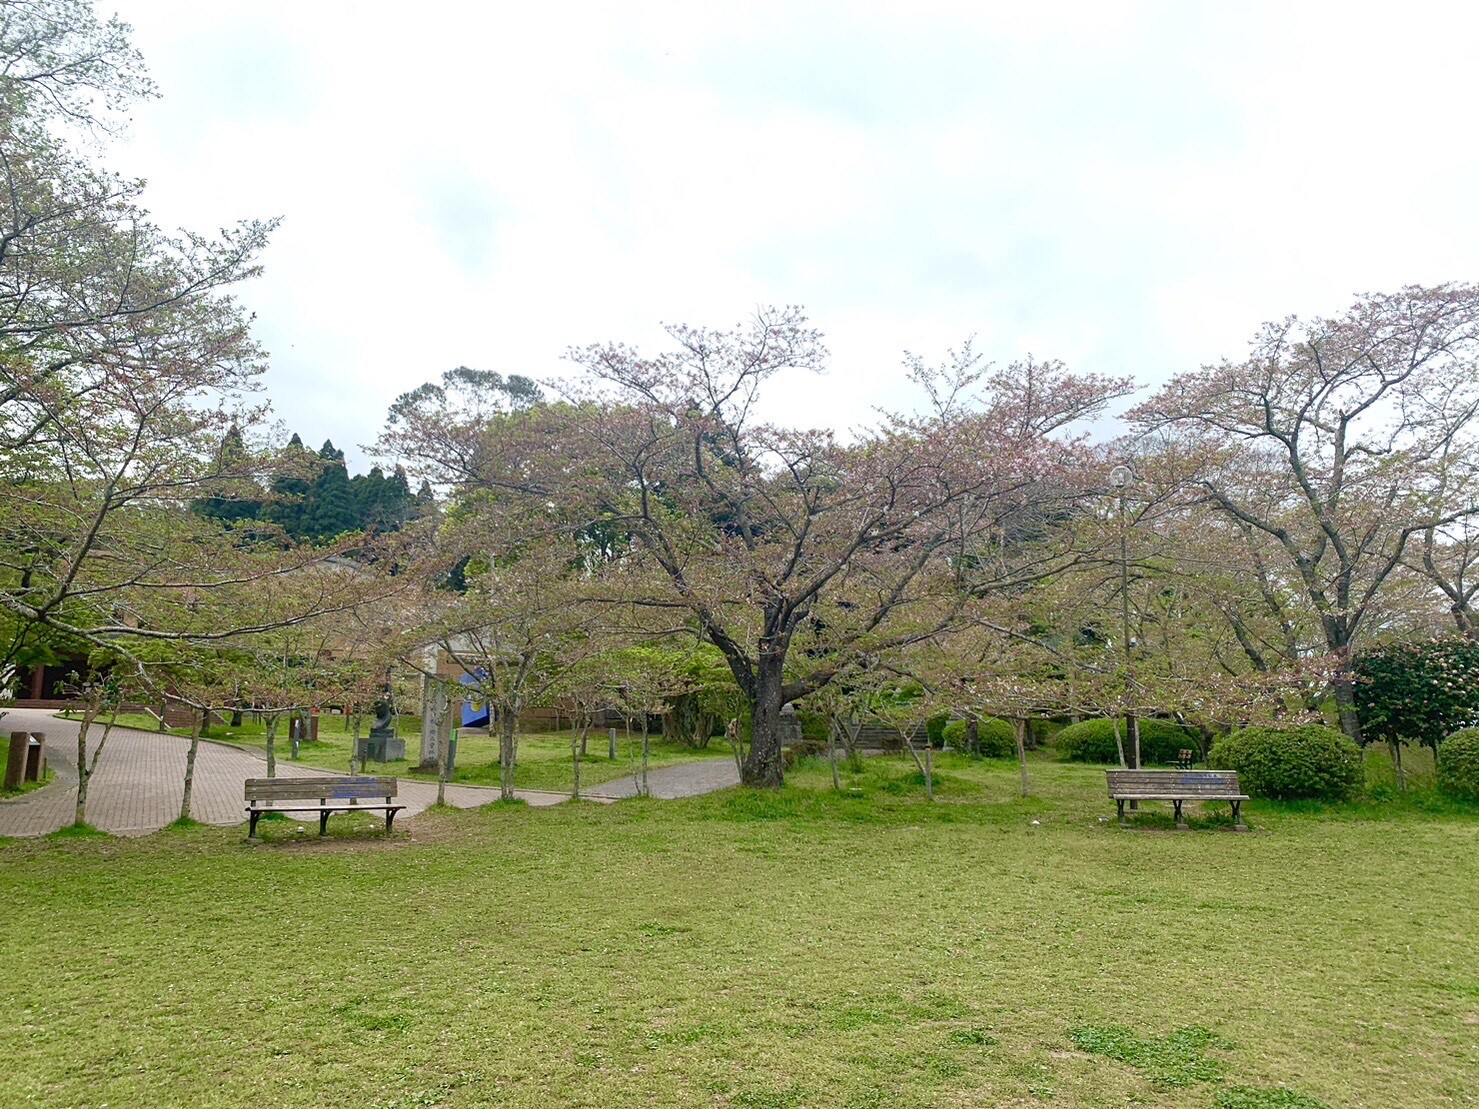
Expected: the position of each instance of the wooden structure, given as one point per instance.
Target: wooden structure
(25, 759)
(265, 795)
(1178, 787)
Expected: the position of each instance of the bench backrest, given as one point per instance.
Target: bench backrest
(1188, 783)
(333, 789)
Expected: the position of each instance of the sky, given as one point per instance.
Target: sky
(1129, 187)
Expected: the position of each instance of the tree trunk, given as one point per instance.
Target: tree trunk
(507, 752)
(89, 714)
(84, 780)
(1345, 703)
(645, 791)
(929, 788)
(1394, 745)
(1119, 743)
(195, 725)
(973, 736)
(577, 749)
(832, 752)
(444, 760)
(763, 768)
(236, 718)
(1019, 732)
(272, 720)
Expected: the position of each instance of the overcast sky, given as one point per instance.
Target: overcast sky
(1131, 187)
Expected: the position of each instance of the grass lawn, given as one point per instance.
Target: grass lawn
(759, 950)
(544, 757)
(26, 787)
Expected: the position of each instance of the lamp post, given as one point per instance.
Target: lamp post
(1120, 477)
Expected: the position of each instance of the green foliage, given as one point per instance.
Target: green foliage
(934, 729)
(814, 727)
(995, 738)
(1093, 741)
(1175, 1060)
(1306, 761)
(1418, 691)
(1255, 1097)
(319, 500)
(1458, 765)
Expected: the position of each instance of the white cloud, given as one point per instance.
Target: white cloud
(1131, 187)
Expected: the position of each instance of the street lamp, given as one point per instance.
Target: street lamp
(1120, 477)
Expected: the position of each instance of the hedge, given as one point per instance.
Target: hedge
(996, 738)
(1093, 741)
(1305, 761)
(1458, 765)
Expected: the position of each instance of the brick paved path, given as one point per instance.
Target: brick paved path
(140, 780)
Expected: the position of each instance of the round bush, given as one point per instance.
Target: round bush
(934, 729)
(1458, 765)
(1093, 741)
(995, 737)
(1306, 761)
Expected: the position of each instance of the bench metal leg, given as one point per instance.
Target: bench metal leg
(1123, 821)
(252, 827)
(1180, 820)
(1238, 825)
(323, 823)
(389, 820)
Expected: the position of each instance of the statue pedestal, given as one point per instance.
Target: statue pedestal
(380, 748)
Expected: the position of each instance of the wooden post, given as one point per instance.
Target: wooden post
(15, 762)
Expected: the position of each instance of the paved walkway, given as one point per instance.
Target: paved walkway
(140, 781)
(688, 779)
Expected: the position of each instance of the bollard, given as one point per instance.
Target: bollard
(15, 762)
(36, 757)
(611, 752)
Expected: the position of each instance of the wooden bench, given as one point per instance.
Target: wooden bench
(266, 795)
(1178, 787)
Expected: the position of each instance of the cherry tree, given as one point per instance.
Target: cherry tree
(792, 551)
(1340, 440)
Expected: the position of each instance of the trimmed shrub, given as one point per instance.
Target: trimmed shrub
(814, 727)
(1093, 741)
(996, 738)
(934, 729)
(1306, 761)
(1458, 765)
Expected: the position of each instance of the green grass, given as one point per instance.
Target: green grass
(800, 948)
(544, 757)
(26, 787)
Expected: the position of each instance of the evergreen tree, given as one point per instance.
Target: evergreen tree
(330, 507)
(288, 507)
(230, 504)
